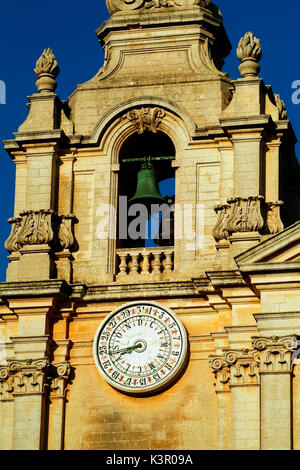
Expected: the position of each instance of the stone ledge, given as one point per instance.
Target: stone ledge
(35, 289)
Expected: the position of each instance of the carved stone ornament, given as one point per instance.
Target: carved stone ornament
(66, 231)
(42, 227)
(243, 367)
(281, 107)
(23, 377)
(131, 5)
(47, 70)
(145, 119)
(32, 376)
(250, 214)
(236, 367)
(249, 53)
(276, 353)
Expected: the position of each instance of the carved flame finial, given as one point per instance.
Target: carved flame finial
(127, 5)
(249, 53)
(47, 70)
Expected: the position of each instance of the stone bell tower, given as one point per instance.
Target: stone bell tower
(225, 149)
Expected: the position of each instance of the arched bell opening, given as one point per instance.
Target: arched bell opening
(146, 178)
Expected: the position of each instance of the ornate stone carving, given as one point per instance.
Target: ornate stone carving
(60, 377)
(220, 231)
(221, 372)
(65, 233)
(245, 215)
(33, 376)
(275, 353)
(243, 367)
(273, 221)
(132, 5)
(35, 228)
(236, 367)
(42, 227)
(250, 214)
(145, 119)
(249, 53)
(23, 377)
(47, 70)
(281, 107)
(12, 244)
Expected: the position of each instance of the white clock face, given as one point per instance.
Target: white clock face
(141, 347)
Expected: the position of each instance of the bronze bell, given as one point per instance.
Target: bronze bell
(147, 188)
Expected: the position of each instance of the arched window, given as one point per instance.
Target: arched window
(139, 151)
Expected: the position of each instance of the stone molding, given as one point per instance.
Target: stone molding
(31, 377)
(244, 367)
(250, 214)
(42, 227)
(131, 5)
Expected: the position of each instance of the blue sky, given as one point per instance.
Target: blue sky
(68, 27)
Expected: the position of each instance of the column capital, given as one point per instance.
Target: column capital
(275, 353)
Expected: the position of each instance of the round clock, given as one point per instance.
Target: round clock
(140, 348)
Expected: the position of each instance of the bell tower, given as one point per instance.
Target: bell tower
(111, 335)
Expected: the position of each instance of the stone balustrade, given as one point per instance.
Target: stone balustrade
(138, 261)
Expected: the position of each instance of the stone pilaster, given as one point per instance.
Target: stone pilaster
(222, 376)
(276, 392)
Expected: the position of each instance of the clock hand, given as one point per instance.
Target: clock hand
(123, 351)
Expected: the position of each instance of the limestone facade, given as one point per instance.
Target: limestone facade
(235, 285)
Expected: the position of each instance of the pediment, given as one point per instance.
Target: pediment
(283, 247)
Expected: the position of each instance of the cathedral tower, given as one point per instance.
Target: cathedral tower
(183, 338)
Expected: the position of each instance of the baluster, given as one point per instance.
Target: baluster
(135, 264)
(146, 263)
(156, 263)
(123, 264)
(168, 262)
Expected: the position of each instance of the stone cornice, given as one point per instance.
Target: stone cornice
(34, 289)
(269, 247)
(147, 290)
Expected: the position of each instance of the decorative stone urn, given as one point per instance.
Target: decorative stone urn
(249, 53)
(47, 70)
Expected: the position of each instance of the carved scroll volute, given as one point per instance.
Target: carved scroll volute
(274, 223)
(36, 228)
(60, 377)
(220, 231)
(245, 215)
(276, 352)
(146, 119)
(65, 233)
(221, 372)
(282, 111)
(12, 244)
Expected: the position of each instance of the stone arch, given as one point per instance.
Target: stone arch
(116, 126)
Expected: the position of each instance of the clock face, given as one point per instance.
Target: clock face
(141, 347)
